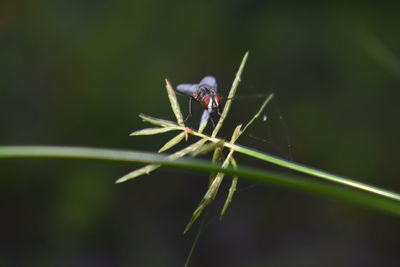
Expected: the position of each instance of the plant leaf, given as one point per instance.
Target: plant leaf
(206, 200)
(207, 148)
(151, 167)
(144, 170)
(151, 131)
(217, 156)
(210, 194)
(188, 149)
(232, 190)
(173, 142)
(157, 121)
(174, 103)
(236, 133)
(231, 95)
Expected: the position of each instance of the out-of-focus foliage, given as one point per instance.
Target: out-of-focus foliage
(79, 72)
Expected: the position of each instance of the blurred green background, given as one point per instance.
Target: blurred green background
(79, 73)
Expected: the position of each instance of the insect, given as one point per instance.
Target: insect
(205, 92)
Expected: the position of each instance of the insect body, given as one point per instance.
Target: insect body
(205, 93)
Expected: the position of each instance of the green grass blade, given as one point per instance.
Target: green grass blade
(174, 141)
(139, 172)
(232, 190)
(151, 131)
(217, 156)
(231, 95)
(236, 133)
(367, 196)
(313, 171)
(174, 103)
(157, 121)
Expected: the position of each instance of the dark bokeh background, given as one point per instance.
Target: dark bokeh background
(79, 73)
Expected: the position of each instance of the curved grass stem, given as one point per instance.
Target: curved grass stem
(367, 196)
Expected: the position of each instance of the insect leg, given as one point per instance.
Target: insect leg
(212, 121)
(219, 110)
(190, 109)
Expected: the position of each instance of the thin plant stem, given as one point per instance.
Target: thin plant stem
(259, 112)
(196, 240)
(231, 95)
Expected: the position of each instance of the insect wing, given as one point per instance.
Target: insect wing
(210, 81)
(187, 88)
